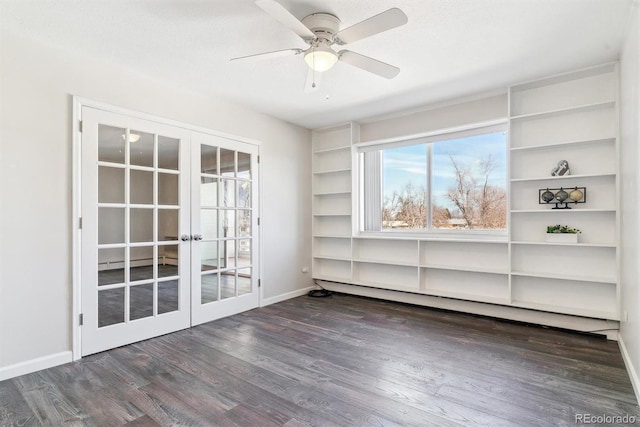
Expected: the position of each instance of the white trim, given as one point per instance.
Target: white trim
(288, 295)
(259, 229)
(34, 365)
(76, 200)
(628, 363)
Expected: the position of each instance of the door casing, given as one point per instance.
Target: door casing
(76, 221)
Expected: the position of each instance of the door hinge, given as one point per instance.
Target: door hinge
(80, 126)
(80, 223)
(81, 319)
(259, 282)
(258, 159)
(258, 220)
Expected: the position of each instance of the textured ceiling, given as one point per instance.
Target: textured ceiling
(449, 48)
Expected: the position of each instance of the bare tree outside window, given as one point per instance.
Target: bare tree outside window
(406, 208)
(450, 184)
(480, 204)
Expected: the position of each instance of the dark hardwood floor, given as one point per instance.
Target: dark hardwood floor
(345, 361)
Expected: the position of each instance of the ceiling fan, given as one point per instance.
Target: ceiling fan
(321, 31)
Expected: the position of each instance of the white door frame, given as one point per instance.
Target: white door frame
(76, 200)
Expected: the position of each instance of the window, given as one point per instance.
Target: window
(451, 182)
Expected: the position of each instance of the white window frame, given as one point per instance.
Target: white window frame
(373, 213)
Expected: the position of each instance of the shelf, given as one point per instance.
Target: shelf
(332, 193)
(382, 237)
(560, 111)
(384, 285)
(566, 310)
(332, 258)
(332, 171)
(332, 214)
(555, 178)
(433, 239)
(607, 280)
(586, 245)
(460, 240)
(560, 210)
(464, 268)
(386, 262)
(565, 144)
(466, 297)
(332, 278)
(332, 236)
(332, 149)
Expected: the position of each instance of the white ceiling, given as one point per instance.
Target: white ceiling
(449, 48)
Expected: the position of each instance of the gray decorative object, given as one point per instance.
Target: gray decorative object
(561, 169)
(547, 196)
(562, 197)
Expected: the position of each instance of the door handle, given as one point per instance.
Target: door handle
(185, 237)
(197, 237)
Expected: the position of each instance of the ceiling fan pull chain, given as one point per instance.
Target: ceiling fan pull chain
(313, 85)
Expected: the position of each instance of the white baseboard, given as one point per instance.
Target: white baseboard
(575, 323)
(34, 365)
(633, 375)
(288, 295)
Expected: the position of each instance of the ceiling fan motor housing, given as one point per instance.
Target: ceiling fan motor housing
(323, 25)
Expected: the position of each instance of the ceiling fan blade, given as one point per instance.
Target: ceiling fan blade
(368, 64)
(282, 15)
(314, 79)
(384, 21)
(267, 55)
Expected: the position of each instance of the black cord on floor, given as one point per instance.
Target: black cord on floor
(319, 293)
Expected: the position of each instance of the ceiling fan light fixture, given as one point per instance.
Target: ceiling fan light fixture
(133, 137)
(320, 58)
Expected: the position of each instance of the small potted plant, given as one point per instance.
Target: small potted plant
(562, 234)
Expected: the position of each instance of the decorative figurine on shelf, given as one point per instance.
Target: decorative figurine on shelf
(562, 169)
(561, 197)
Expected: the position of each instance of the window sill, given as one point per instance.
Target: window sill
(460, 236)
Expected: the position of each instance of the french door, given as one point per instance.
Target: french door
(223, 220)
(168, 223)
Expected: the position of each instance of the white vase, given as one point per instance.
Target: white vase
(562, 237)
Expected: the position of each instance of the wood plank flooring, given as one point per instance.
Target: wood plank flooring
(339, 361)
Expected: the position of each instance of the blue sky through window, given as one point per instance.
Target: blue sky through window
(408, 164)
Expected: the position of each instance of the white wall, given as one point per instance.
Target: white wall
(630, 186)
(35, 183)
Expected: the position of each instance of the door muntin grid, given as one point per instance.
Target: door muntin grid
(138, 217)
(226, 188)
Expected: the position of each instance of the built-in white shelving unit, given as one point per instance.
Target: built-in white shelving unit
(332, 203)
(569, 117)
